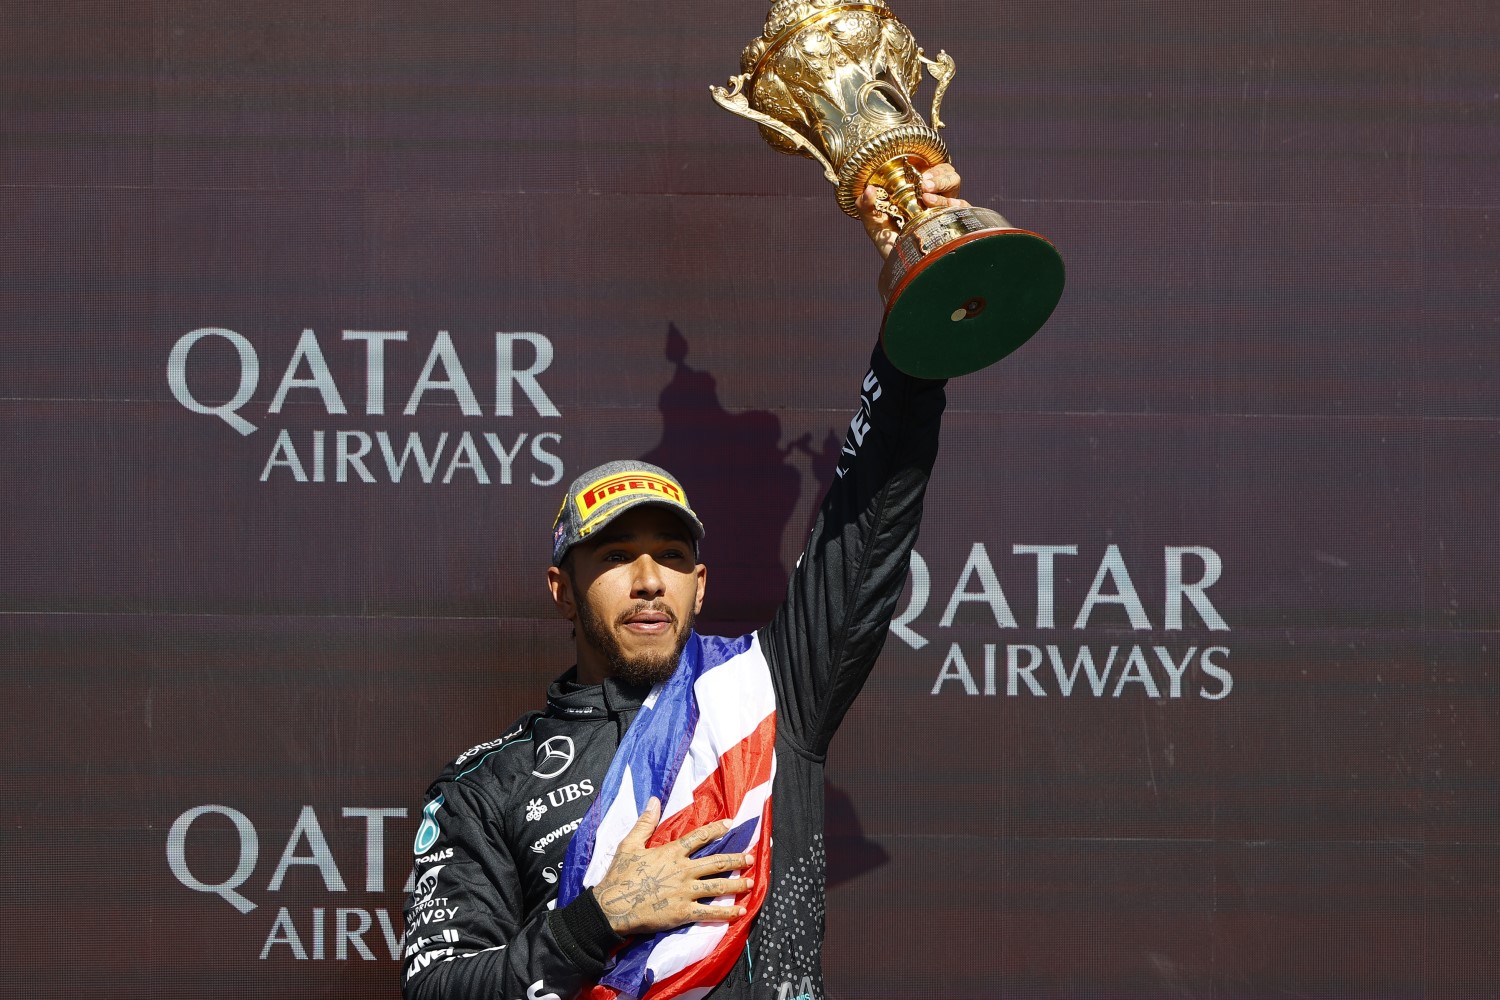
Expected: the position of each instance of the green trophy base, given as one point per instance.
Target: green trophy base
(962, 292)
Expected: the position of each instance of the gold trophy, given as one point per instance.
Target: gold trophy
(832, 80)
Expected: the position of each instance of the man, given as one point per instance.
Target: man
(659, 826)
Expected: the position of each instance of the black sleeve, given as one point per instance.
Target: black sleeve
(467, 935)
(823, 641)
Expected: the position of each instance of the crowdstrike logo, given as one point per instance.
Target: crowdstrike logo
(554, 756)
(543, 843)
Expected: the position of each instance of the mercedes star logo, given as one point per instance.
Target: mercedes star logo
(554, 756)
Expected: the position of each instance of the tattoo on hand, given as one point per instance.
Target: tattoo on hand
(648, 889)
(627, 894)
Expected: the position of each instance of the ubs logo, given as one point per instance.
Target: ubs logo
(571, 792)
(554, 757)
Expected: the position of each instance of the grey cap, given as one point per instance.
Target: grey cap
(606, 491)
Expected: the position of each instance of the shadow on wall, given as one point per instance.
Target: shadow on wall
(740, 481)
(850, 854)
(745, 489)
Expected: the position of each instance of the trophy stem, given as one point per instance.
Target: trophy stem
(902, 182)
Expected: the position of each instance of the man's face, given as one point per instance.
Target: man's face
(632, 593)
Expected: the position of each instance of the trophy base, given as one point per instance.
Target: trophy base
(963, 289)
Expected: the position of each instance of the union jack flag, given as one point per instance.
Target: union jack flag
(703, 743)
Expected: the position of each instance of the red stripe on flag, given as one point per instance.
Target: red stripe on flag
(713, 967)
(742, 767)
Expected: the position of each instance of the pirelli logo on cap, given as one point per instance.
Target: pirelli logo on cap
(592, 498)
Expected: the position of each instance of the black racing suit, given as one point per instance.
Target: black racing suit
(482, 920)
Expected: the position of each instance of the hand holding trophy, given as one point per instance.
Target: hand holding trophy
(832, 80)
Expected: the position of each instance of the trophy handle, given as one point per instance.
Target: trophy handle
(941, 69)
(738, 103)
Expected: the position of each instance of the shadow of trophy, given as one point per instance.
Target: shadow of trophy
(832, 81)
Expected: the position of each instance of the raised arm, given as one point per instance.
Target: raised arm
(823, 641)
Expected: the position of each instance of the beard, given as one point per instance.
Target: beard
(642, 669)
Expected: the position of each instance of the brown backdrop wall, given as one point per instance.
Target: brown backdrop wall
(310, 309)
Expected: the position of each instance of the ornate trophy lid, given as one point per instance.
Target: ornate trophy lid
(786, 16)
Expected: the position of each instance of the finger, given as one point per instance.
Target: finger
(869, 200)
(706, 834)
(938, 201)
(942, 179)
(876, 221)
(722, 863)
(710, 888)
(704, 913)
(645, 823)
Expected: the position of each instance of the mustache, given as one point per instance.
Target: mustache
(654, 606)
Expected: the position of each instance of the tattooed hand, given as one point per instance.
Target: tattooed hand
(649, 889)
